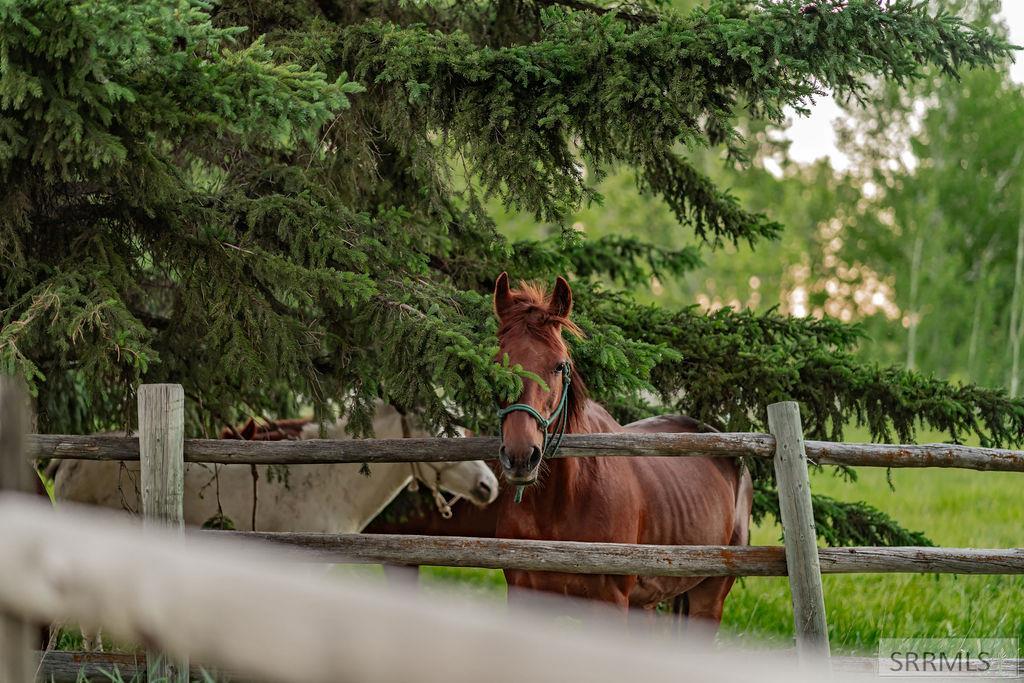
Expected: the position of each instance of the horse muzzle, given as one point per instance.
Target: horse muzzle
(483, 494)
(520, 466)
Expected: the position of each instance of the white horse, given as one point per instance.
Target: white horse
(328, 498)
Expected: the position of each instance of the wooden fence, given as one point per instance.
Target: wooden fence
(234, 607)
(163, 452)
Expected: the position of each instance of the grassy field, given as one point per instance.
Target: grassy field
(956, 508)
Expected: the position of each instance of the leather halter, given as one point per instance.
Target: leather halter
(560, 418)
(444, 507)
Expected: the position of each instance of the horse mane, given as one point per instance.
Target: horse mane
(529, 315)
(578, 400)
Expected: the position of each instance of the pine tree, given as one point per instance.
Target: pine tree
(275, 203)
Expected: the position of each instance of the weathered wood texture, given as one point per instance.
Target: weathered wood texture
(399, 450)
(97, 667)
(17, 635)
(798, 531)
(237, 608)
(79, 667)
(915, 455)
(574, 445)
(621, 558)
(15, 473)
(161, 440)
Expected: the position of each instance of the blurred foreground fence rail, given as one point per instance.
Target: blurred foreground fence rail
(165, 451)
(235, 606)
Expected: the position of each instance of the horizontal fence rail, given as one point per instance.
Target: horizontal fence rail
(723, 445)
(622, 558)
(75, 667)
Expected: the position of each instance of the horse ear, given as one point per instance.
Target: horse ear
(561, 299)
(249, 430)
(502, 295)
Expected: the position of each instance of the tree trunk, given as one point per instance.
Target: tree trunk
(982, 289)
(972, 348)
(913, 314)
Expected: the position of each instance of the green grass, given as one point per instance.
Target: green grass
(956, 508)
(115, 676)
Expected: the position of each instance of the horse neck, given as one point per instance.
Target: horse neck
(359, 498)
(594, 419)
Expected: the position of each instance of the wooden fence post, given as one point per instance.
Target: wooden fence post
(798, 530)
(17, 636)
(161, 452)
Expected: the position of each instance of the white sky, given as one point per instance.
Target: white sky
(813, 137)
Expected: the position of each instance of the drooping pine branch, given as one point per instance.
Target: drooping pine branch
(715, 215)
(841, 523)
(629, 94)
(197, 204)
(628, 261)
(736, 363)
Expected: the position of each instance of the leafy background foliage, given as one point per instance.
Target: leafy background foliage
(283, 204)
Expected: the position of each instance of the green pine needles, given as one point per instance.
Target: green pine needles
(280, 203)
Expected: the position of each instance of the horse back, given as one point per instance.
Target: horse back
(674, 424)
(687, 499)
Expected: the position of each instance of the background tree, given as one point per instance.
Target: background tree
(303, 211)
(948, 227)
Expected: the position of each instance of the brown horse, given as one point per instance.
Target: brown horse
(653, 500)
(414, 513)
(277, 430)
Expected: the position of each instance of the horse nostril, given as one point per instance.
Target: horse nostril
(485, 489)
(535, 457)
(503, 458)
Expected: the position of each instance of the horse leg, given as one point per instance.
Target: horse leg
(680, 613)
(706, 601)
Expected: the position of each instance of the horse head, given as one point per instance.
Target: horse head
(530, 328)
(472, 480)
